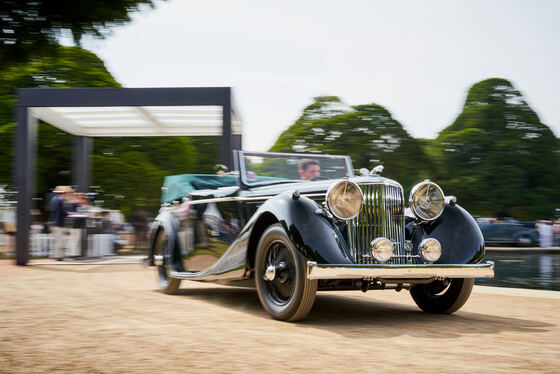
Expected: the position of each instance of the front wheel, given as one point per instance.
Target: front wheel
(280, 276)
(442, 297)
(161, 260)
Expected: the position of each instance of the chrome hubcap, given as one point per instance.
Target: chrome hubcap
(270, 273)
(279, 273)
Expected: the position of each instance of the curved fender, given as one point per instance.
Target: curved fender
(457, 231)
(526, 233)
(314, 236)
(170, 226)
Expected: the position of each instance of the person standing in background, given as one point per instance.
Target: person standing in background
(545, 233)
(56, 220)
(556, 233)
(72, 205)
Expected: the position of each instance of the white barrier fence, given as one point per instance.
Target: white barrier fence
(42, 245)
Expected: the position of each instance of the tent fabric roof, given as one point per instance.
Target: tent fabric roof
(98, 121)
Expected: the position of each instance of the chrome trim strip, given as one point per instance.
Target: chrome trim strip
(208, 276)
(226, 199)
(380, 271)
(238, 198)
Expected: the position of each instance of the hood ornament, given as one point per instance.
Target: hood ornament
(376, 170)
(364, 172)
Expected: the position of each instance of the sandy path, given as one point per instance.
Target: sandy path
(111, 319)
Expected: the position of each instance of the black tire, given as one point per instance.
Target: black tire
(165, 282)
(289, 296)
(443, 297)
(524, 241)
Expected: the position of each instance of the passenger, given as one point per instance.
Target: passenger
(309, 169)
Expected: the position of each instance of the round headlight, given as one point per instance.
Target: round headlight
(427, 200)
(344, 199)
(430, 250)
(382, 249)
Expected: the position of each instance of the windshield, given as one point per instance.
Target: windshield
(267, 168)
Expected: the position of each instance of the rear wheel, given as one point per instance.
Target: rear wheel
(280, 276)
(443, 297)
(161, 260)
(524, 241)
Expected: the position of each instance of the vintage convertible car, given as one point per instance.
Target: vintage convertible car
(294, 224)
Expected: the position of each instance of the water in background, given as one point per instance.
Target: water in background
(524, 270)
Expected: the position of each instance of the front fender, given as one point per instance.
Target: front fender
(166, 223)
(312, 233)
(457, 231)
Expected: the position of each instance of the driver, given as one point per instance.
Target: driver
(309, 169)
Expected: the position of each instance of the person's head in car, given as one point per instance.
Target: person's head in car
(309, 169)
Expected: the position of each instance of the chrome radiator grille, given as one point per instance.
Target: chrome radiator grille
(382, 215)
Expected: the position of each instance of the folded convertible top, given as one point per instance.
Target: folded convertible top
(177, 186)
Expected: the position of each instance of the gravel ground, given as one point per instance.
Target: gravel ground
(111, 319)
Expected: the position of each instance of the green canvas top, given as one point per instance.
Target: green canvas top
(177, 186)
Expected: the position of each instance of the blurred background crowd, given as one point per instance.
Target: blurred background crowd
(72, 225)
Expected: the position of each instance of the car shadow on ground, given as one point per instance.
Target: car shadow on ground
(353, 316)
(84, 268)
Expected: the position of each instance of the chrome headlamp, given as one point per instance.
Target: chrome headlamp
(382, 249)
(427, 200)
(430, 250)
(344, 199)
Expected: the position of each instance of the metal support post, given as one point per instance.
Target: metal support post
(25, 179)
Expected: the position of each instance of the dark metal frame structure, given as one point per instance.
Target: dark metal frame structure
(26, 141)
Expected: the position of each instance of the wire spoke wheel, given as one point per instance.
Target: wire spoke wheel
(281, 288)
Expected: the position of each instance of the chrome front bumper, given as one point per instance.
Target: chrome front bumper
(388, 272)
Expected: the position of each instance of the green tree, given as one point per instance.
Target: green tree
(498, 157)
(128, 171)
(368, 133)
(29, 27)
(68, 67)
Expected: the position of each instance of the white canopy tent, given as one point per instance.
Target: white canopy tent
(114, 112)
(138, 121)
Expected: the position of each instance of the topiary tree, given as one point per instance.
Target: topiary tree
(128, 171)
(367, 133)
(498, 157)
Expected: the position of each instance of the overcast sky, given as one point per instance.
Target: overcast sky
(416, 58)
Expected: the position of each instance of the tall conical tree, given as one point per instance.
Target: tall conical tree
(498, 157)
(367, 133)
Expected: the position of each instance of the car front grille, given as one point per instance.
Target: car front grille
(382, 215)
